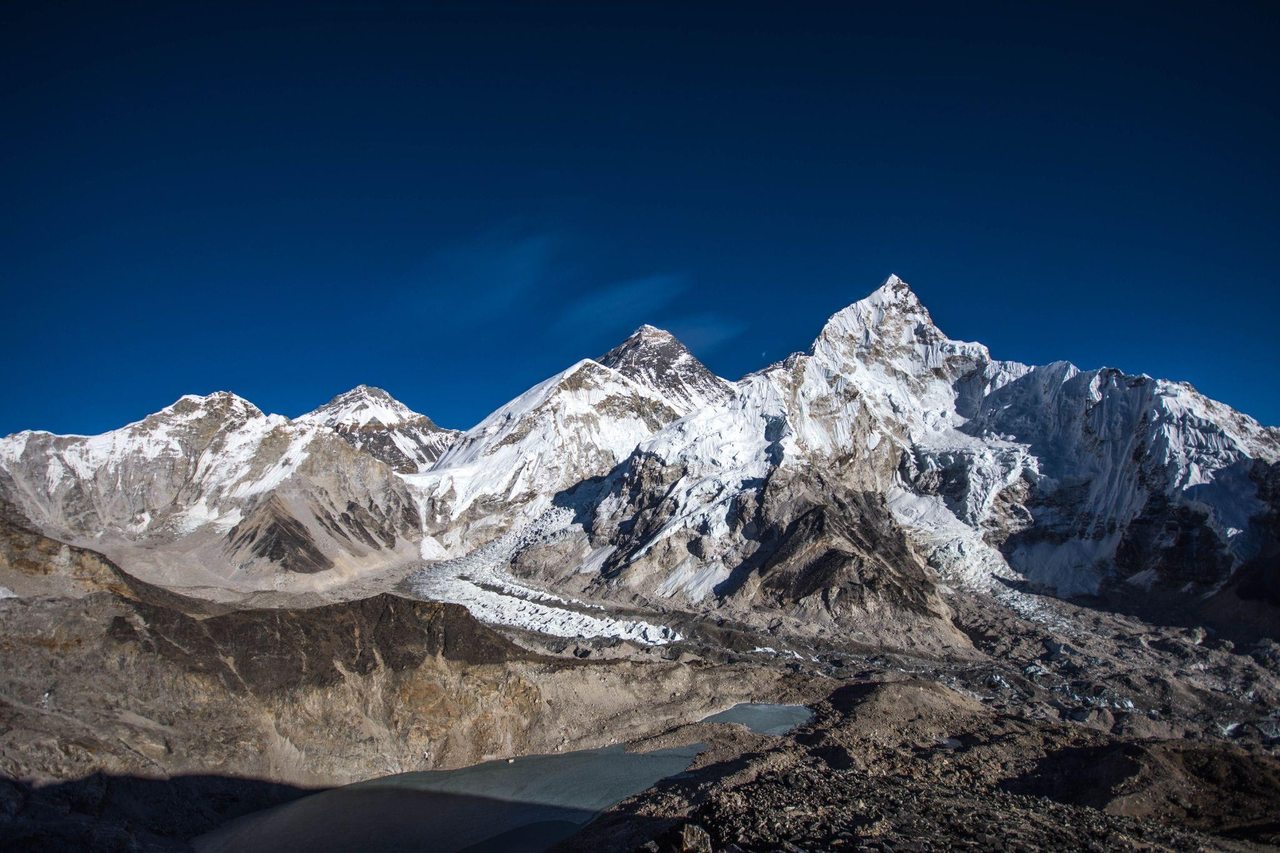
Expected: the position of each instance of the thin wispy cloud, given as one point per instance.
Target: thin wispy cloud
(506, 268)
(625, 304)
(706, 333)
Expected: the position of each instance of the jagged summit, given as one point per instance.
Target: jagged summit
(217, 402)
(656, 359)
(214, 398)
(217, 406)
(644, 337)
(891, 330)
(370, 419)
(648, 332)
(894, 291)
(887, 431)
(891, 308)
(365, 406)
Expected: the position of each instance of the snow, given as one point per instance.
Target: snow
(185, 467)
(479, 581)
(595, 560)
(694, 579)
(578, 424)
(360, 407)
(200, 514)
(431, 549)
(954, 439)
(881, 381)
(283, 468)
(5, 592)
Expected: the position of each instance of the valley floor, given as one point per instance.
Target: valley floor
(1063, 727)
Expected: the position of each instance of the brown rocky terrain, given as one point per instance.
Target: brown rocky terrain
(111, 685)
(1096, 732)
(904, 763)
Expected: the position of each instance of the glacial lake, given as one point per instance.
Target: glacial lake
(526, 805)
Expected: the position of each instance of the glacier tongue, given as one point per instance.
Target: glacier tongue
(480, 582)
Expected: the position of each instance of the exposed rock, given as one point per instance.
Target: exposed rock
(372, 420)
(655, 359)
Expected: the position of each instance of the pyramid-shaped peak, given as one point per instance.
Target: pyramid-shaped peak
(362, 406)
(647, 345)
(894, 300)
(220, 409)
(893, 291)
(657, 360)
(645, 337)
(891, 310)
(890, 326)
(364, 392)
(652, 332)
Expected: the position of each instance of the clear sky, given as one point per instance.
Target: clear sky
(455, 201)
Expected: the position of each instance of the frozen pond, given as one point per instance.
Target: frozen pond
(526, 805)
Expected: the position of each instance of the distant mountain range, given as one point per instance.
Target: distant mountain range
(842, 489)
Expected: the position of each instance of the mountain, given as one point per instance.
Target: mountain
(654, 358)
(211, 492)
(372, 420)
(850, 488)
(573, 427)
(844, 486)
(569, 428)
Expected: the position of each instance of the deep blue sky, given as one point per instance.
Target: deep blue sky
(456, 201)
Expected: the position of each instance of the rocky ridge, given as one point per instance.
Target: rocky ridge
(842, 489)
(372, 420)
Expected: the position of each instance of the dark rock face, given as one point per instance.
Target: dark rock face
(1176, 542)
(267, 652)
(270, 532)
(847, 550)
(657, 360)
(1258, 579)
(374, 526)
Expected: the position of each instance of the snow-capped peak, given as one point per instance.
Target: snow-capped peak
(891, 327)
(656, 359)
(890, 311)
(361, 407)
(893, 291)
(220, 409)
(221, 401)
(647, 331)
(371, 420)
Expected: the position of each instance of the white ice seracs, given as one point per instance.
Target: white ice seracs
(479, 581)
